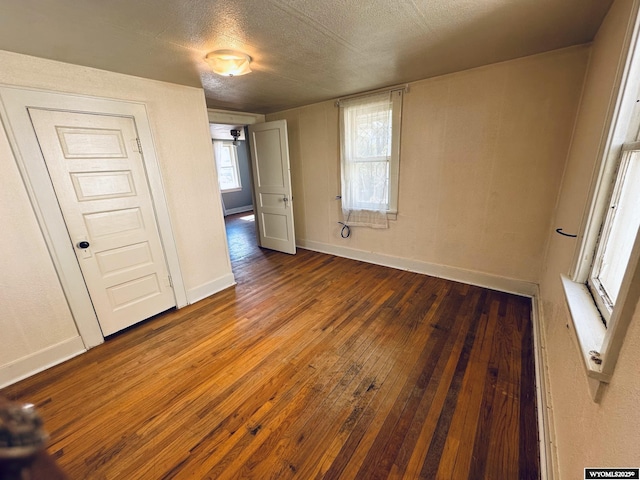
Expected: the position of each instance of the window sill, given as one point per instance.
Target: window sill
(587, 326)
(229, 190)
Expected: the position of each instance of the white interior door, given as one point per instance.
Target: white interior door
(272, 185)
(99, 178)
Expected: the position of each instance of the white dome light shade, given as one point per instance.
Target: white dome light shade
(229, 63)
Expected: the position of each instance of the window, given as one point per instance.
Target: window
(226, 157)
(604, 287)
(618, 232)
(603, 291)
(370, 155)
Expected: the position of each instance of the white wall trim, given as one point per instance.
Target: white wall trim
(231, 211)
(37, 362)
(234, 118)
(207, 289)
(480, 279)
(546, 427)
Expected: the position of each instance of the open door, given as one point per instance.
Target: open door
(272, 185)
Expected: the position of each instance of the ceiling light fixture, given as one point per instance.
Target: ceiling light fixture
(229, 63)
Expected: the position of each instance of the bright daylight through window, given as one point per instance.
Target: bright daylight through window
(370, 154)
(227, 165)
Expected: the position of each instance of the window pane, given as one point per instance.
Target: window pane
(227, 166)
(623, 226)
(225, 157)
(373, 134)
(227, 178)
(372, 189)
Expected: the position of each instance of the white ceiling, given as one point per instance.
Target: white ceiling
(304, 51)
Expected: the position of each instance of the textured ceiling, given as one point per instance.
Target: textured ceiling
(304, 51)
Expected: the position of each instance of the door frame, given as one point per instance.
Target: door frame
(232, 117)
(227, 117)
(32, 166)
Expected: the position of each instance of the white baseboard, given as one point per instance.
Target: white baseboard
(36, 362)
(546, 430)
(480, 279)
(55, 354)
(207, 289)
(231, 211)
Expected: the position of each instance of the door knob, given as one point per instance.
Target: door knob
(84, 244)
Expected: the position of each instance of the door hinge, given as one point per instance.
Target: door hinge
(139, 145)
(170, 280)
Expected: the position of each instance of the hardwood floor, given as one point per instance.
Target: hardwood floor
(313, 366)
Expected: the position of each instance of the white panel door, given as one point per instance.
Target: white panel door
(98, 175)
(272, 185)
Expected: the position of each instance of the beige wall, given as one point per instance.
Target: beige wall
(483, 152)
(589, 434)
(35, 315)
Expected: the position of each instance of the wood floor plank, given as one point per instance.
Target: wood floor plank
(351, 367)
(462, 434)
(311, 367)
(503, 448)
(418, 441)
(354, 342)
(371, 376)
(367, 430)
(528, 454)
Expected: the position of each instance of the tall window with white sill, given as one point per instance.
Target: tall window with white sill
(370, 157)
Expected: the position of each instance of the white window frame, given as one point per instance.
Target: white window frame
(233, 155)
(598, 290)
(394, 162)
(599, 344)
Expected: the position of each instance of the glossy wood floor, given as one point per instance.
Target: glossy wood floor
(313, 366)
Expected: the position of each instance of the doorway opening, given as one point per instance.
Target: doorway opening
(256, 177)
(233, 164)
